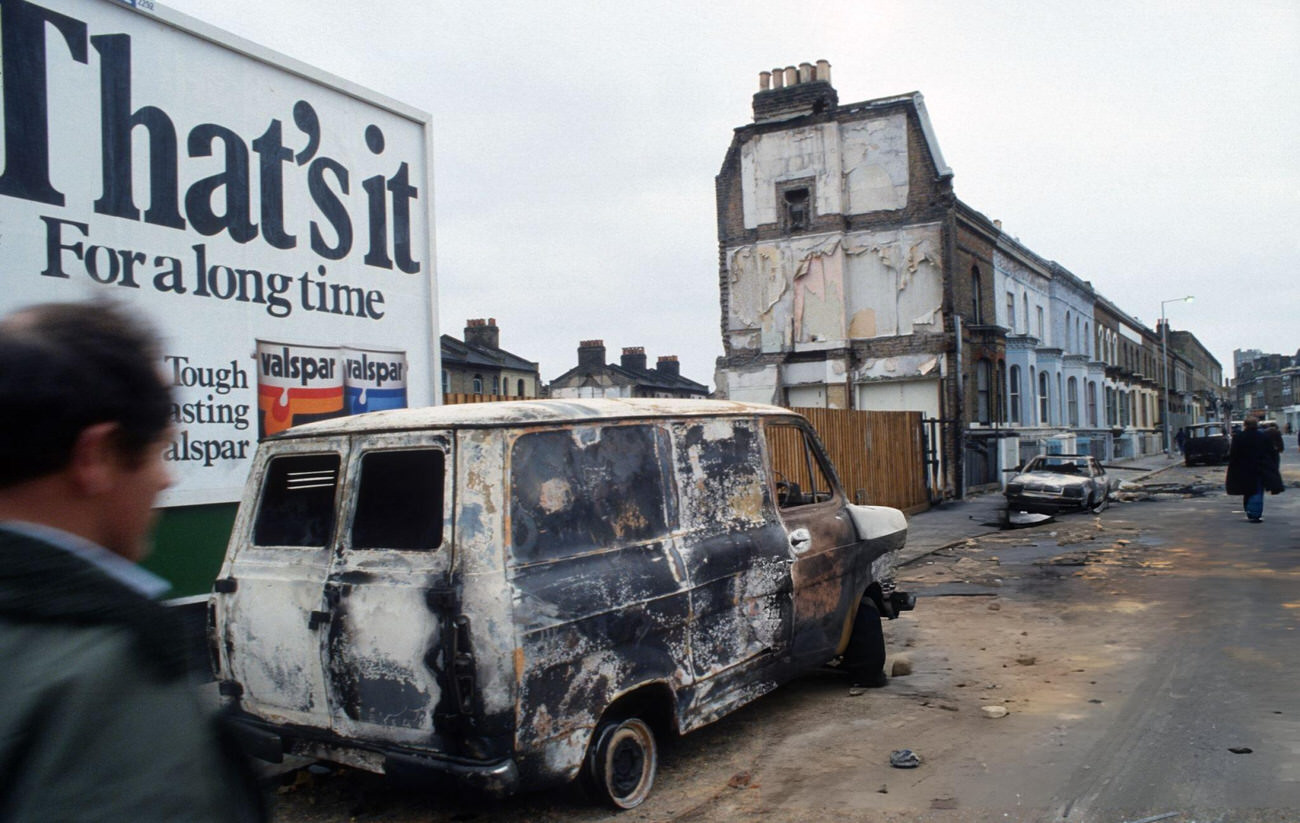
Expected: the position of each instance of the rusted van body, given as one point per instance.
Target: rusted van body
(517, 593)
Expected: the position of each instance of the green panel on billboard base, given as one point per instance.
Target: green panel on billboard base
(189, 545)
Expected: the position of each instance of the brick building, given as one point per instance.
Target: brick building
(1268, 385)
(630, 377)
(478, 364)
(851, 276)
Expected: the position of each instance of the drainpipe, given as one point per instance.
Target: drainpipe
(961, 397)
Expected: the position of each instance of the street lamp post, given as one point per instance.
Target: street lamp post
(1164, 362)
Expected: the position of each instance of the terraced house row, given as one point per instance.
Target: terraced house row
(852, 276)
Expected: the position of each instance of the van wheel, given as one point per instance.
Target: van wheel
(1100, 505)
(864, 658)
(621, 762)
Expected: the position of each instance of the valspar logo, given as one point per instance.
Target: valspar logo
(298, 384)
(374, 380)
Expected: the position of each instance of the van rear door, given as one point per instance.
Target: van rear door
(383, 645)
(268, 602)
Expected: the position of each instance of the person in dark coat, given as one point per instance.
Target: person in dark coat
(100, 720)
(1253, 468)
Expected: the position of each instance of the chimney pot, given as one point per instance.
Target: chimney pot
(791, 75)
(805, 72)
(778, 78)
(824, 71)
(633, 358)
(591, 353)
(480, 332)
(764, 80)
(668, 365)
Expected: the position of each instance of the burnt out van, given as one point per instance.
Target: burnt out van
(521, 594)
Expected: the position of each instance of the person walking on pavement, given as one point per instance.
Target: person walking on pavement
(100, 720)
(1180, 439)
(1253, 468)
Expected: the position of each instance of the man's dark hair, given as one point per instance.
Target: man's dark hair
(67, 366)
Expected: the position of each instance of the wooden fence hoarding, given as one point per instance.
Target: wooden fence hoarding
(879, 455)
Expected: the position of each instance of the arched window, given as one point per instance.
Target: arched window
(1086, 339)
(976, 316)
(1013, 388)
(1066, 342)
(1044, 392)
(983, 378)
(446, 382)
(1072, 392)
(520, 392)
(478, 384)
(1092, 403)
(496, 385)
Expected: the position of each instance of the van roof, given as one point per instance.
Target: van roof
(527, 412)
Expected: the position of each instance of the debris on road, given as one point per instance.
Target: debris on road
(993, 712)
(904, 759)
(1240, 749)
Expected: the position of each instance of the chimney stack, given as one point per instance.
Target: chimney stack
(669, 366)
(633, 358)
(483, 333)
(794, 92)
(591, 353)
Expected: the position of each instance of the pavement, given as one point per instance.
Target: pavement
(955, 521)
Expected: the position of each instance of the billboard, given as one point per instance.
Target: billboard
(272, 222)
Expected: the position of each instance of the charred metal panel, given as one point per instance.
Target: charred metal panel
(598, 597)
(586, 488)
(737, 560)
(479, 557)
(574, 670)
(740, 599)
(547, 594)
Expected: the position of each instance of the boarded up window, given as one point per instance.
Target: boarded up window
(578, 490)
(297, 505)
(400, 500)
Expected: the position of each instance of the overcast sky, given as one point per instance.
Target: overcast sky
(1149, 147)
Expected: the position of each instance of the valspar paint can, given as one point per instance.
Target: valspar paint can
(374, 380)
(297, 384)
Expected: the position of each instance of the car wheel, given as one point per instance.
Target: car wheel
(621, 762)
(864, 657)
(1100, 506)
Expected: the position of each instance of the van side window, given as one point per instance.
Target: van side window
(721, 466)
(798, 466)
(575, 490)
(399, 500)
(297, 506)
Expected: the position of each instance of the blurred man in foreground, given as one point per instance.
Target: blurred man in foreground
(99, 719)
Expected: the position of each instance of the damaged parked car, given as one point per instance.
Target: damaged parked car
(522, 594)
(1206, 443)
(1054, 483)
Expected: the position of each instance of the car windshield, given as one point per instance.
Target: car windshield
(1058, 465)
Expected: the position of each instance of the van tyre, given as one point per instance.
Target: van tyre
(1101, 504)
(864, 658)
(621, 762)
